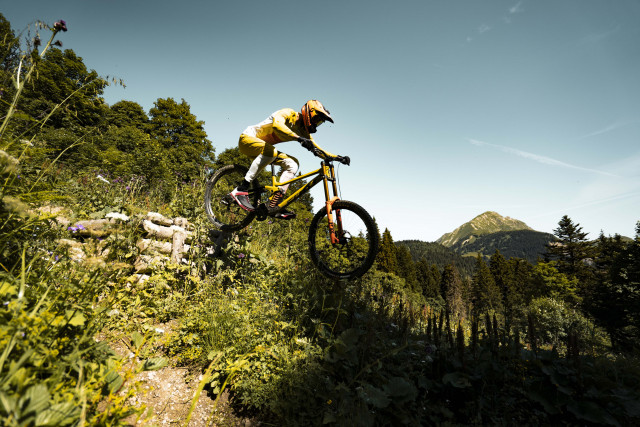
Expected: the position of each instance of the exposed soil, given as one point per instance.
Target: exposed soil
(168, 394)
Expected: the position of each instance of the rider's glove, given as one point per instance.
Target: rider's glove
(345, 160)
(306, 143)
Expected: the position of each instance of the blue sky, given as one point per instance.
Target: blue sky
(447, 109)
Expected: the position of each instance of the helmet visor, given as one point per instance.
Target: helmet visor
(317, 120)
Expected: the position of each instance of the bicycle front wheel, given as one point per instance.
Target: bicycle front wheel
(357, 241)
(222, 210)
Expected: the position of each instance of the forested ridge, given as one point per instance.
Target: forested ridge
(526, 244)
(425, 337)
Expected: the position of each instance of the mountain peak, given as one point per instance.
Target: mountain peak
(485, 223)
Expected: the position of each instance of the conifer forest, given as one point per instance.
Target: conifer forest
(426, 337)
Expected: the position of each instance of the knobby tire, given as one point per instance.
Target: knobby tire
(356, 252)
(221, 209)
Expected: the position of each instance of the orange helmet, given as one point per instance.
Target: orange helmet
(313, 114)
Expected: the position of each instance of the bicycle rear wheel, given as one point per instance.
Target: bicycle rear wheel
(221, 209)
(354, 253)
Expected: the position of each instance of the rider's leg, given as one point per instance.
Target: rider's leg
(263, 154)
(289, 165)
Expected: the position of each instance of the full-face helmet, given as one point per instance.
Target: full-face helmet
(314, 114)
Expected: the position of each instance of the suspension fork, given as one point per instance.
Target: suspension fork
(328, 174)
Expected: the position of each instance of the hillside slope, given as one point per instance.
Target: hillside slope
(486, 223)
(525, 244)
(441, 256)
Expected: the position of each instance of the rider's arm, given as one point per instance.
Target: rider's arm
(285, 133)
(321, 149)
(280, 128)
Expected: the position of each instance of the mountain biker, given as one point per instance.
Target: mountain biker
(258, 142)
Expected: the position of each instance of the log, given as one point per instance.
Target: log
(177, 248)
(150, 246)
(159, 219)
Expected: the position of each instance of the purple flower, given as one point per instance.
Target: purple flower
(128, 188)
(60, 25)
(75, 228)
(241, 255)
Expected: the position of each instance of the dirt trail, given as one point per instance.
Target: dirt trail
(168, 394)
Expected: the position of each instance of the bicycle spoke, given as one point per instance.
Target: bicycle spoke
(220, 207)
(355, 250)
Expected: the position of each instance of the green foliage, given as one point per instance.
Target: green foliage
(486, 295)
(127, 114)
(439, 255)
(395, 347)
(557, 285)
(63, 78)
(9, 46)
(556, 320)
(616, 299)
(572, 249)
(454, 291)
(524, 244)
(386, 260)
(182, 136)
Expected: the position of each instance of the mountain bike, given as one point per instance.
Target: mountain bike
(343, 238)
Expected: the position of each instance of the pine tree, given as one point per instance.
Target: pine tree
(386, 258)
(616, 300)
(428, 278)
(572, 248)
(485, 294)
(520, 291)
(452, 288)
(500, 272)
(406, 267)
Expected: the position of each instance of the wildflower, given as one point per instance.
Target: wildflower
(72, 229)
(80, 227)
(60, 25)
(269, 222)
(241, 255)
(127, 188)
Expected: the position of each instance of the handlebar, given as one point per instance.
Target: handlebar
(345, 160)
